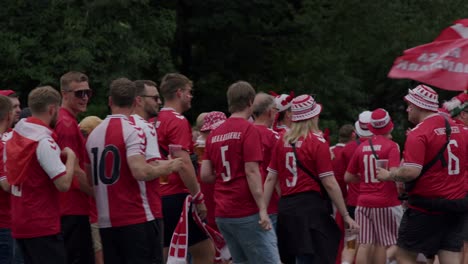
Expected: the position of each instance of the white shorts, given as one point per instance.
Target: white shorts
(378, 226)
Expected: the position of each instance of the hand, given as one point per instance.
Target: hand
(175, 165)
(201, 210)
(67, 152)
(351, 224)
(383, 174)
(264, 220)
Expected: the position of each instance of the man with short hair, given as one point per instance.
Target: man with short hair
(173, 128)
(117, 149)
(231, 161)
(14, 98)
(7, 244)
(264, 111)
(75, 204)
(36, 174)
(422, 229)
(147, 104)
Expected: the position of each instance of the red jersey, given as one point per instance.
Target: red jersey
(338, 168)
(35, 209)
(121, 200)
(421, 146)
(313, 153)
(173, 128)
(5, 214)
(228, 148)
(346, 155)
(74, 201)
(269, 138)
(465, 131)
(372, 192)
(152, 153)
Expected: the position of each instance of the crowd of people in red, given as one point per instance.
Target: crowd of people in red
(260, 186)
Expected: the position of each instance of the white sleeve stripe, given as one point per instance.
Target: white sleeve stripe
(326, 174)
(412, 165)
(272, 170)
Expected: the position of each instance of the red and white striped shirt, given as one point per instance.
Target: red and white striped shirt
(121, 200)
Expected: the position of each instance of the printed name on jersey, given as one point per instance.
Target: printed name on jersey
(441, 130)
(369, 149)
(227, 136)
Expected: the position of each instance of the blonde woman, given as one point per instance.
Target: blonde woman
(306, 229)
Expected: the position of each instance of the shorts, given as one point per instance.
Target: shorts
(306, 228)
(136, 244)
(378, 226)
(76, 232)
(428, 233)
(46, 249)
(97, 244)
(172, 208)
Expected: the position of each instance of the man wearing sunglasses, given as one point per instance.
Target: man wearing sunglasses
(75, 204)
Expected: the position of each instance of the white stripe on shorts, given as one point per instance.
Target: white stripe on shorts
(379, 226)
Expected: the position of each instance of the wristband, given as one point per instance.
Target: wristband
(198, 198)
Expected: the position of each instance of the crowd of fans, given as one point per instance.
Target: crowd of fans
(262, 185)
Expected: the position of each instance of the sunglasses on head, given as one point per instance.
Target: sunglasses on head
(82, 93)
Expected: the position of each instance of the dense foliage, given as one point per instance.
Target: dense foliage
(340, 50)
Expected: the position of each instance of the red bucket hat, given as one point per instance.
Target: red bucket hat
(380, 122)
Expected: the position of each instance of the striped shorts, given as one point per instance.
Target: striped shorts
(378, 226)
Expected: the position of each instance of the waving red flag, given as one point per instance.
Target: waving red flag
(442, 63)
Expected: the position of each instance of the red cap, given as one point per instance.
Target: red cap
(7, 92)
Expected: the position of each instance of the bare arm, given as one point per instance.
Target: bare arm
(334, 191)
(5, 185)
(349, 177)
(83, 179)
(144, 171)
(269, 186)
(187, 173)
(401, 174)
(63, 183)
(207, 174)
(254, 180)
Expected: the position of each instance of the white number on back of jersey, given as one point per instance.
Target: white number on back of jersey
(369, 169)
(292, 167)
(453, 161)
(227, 167)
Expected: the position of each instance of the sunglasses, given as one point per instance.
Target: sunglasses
(83, 93)
(155, 97)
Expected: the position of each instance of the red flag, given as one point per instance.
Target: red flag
(442, 63)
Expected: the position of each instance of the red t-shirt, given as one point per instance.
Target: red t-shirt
(338, 168)
(313, 153)
(35, 209)
(228, 148)
(121, 200)
(372, 192)
(152, 153)
(5, 214)
(421, 146)
(347, 154)
(173, 128)
(269, 138)
(73, 202)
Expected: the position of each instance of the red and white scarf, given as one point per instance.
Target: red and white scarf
(179, 242)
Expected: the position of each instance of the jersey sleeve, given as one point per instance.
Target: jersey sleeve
(135, 141)
(273, 166)
(252, 145)
(353, 166)
(415, 150)
(323, 162)
(2, 161)
(394, 156)
(48, 155)
(152, 149)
